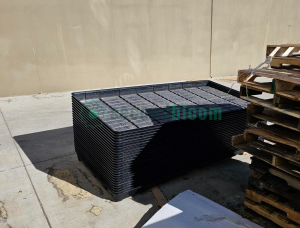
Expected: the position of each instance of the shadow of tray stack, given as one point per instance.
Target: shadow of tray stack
(135, 138)
(274, 142)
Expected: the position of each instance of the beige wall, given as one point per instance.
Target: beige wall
(63, 45)
(243, 28)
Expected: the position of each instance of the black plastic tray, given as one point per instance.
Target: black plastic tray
(158, 147)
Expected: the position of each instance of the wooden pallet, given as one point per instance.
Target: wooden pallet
(281, 75)
(256, 113)
(283, 100)
(290, 106)
(285, 134)
(284, 86)
(284, 54)
(272, 144)
(274, 200)
(268, 104)
(290, 95)
(273, 158)
(276, 185)
(280, 131)
(271, 213)
(283, 50)
(277, 62)
(263, 167)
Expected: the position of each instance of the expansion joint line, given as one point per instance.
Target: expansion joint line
(27, 172)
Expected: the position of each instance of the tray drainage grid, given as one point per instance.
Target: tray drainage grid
(136, 137)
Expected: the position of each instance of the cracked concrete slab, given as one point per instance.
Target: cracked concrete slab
(73, 197)
(19, 206)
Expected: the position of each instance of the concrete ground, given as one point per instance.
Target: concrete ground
(42, 184)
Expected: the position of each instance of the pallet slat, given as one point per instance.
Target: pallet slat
(283, 50)
(277, 62)
(287, 76)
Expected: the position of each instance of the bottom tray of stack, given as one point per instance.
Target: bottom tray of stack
(137, 137)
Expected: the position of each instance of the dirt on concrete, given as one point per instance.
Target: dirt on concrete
(65, 182)
(96, 210)
(3, 212)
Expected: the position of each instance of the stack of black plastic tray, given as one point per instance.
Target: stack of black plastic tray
(137, 137)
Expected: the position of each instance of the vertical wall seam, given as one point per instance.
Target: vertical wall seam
(211, 27)
(27, 15)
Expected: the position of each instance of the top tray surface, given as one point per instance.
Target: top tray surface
(138, 107)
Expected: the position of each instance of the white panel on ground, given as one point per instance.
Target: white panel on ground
(189, 209)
